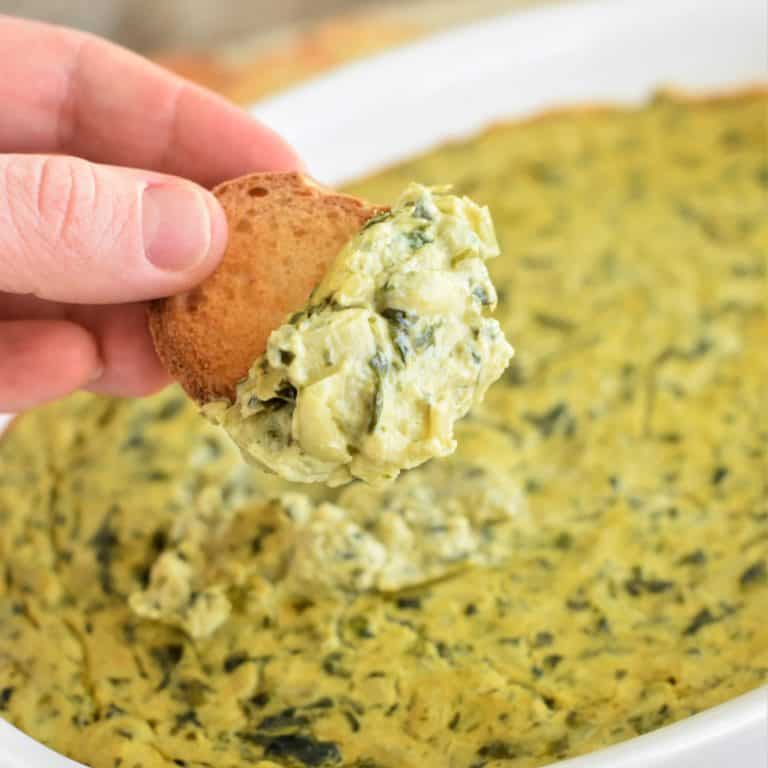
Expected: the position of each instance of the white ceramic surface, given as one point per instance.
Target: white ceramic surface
(378, 111)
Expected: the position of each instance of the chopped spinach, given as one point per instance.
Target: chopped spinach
(499, 750)
(426, 338)
(696, 557)
(105, 543)
(170, 409)
(702, 619)
(354, 723)
(167, 658)
(185, 719)
(482, 295)
(754, 574)
(417, 238)
(360, 627)
(285, 720)
(6, 694)
(547, 422)
(420, 211)
(638, 584)
(333, 665)
(379, 217)
(400, 323)
(554, 322)
(259, 700)
(235, 660)
(543, 639)
(303, 749)
(325, 703)
(380, 364)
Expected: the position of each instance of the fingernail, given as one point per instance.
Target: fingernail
(97, 374)
(180, 225)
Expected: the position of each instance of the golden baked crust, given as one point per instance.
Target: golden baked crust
(284, 231)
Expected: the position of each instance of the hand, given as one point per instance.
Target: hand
(83, 244)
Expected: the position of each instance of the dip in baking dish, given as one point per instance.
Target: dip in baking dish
(589, 565)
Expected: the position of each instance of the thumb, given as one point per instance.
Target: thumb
(78, 232)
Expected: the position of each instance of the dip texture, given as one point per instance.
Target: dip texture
(394, 346)
(590, 564)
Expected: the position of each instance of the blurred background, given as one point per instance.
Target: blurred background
(148, 25)
(249, 48)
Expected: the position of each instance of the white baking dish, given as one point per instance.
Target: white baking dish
(380, 110)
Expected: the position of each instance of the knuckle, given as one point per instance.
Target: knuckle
(63, 195)
(46, 196)
(43, 211)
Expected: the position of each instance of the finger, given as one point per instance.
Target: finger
(65, 91)
(41, 360)
(78, 232)
(131, 367)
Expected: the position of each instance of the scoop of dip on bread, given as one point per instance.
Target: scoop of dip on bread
(394, 345)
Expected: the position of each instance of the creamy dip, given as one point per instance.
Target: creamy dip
(395, 345)
(590, 564)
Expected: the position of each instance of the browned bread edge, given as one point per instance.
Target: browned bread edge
(284, 232)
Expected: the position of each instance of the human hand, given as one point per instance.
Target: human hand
(85, 239)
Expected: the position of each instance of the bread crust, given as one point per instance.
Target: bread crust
(284, 232)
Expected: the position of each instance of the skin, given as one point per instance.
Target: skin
(85, 237)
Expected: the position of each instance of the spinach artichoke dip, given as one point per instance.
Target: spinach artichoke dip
(394, 346)
(590, 564)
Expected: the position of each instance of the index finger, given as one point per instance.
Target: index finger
(66, 91)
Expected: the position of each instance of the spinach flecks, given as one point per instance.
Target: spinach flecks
(287, 393)
(398, 317)
(554, 322)
(425, 339)
(282, 721)
(498, 750)
(380, 365)
(417, 238)
(702, 619)
(482, 295)
(167, 658)
(754, 574)
(284, 396)
(402, 344)
(303, 749)
(547, 422)
(420, 211)
(235, 660)
(105, 543)
(400, 323)
(638, 584)
(170, 409)
(6, 694)
(379, 217)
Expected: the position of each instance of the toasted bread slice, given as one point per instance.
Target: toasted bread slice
(284, 232)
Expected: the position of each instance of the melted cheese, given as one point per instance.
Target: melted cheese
(395, 345)
(606, 508)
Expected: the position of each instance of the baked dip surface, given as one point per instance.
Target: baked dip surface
(589, 565)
